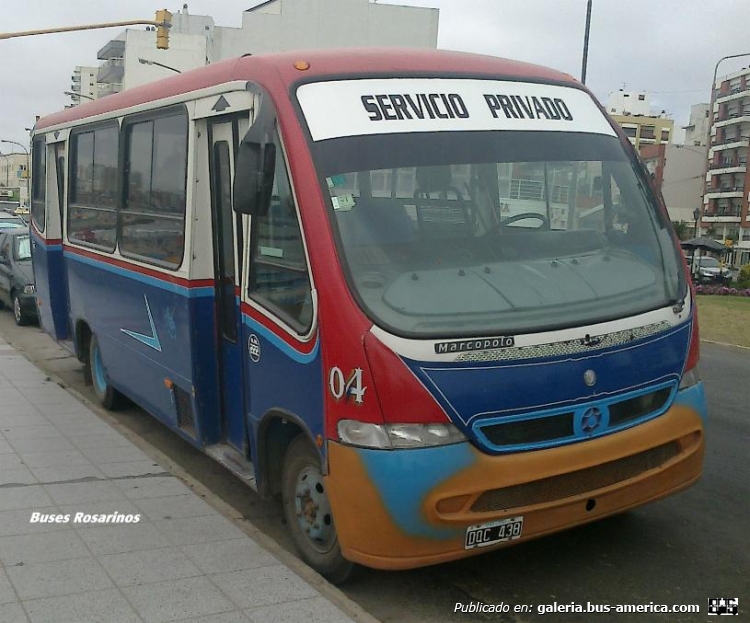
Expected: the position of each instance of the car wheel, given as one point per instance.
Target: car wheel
(308, 512)
(18, 314)
(108, 396)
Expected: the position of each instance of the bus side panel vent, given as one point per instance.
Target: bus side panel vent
(184, 407)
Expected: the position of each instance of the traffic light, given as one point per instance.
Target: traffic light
(164, 18)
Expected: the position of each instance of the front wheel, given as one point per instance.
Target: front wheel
(108, 396)
(18, 314)
(308, 512)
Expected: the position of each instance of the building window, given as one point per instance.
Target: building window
(647, 131)
(641, 98)
(92, 215)
(665, 136)
(152, 224)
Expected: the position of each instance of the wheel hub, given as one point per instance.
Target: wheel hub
(312, 507)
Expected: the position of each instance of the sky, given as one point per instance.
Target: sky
(668, 48)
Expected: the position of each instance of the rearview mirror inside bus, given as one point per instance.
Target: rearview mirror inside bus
(253, 178)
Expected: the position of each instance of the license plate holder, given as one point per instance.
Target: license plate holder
(493, 532)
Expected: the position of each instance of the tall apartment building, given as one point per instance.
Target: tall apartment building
(83, 83)
(725, 200)
(632, 111)
(272, 26)
(696, 131)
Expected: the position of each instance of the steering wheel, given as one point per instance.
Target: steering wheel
(519, 217)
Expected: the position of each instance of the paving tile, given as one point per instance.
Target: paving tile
(23, 432)
(52, 408)
(235, 616)
(122, 537)
(313, 610)
(77, 425)
(202, 529)
(21, 415)
(50, 459)
(189, 505)
(12, 613)
(27, 549)
(5, 447)
(106, 439)
(225, 556)
(80, 492)
(10, 460)
(7, 594)
(132, 468)
(153, 487)
(61, 577)
(178, 599)
(51, 444)
(122, 454)
(19, 521)
(58, 474)
(90, 607)
(29, 496)
(18, 476)
(155, 565)
(263, 586)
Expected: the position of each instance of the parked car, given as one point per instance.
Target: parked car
(16, 276)
(9, 220)
(710, 270)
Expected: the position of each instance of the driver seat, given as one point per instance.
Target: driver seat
(441, 210)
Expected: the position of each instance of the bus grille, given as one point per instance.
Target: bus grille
(505, 434)
(586, 480)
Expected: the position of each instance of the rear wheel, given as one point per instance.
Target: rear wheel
(18, 313)
(108, 396)
(308, 512)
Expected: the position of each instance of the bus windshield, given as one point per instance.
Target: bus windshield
(477, 233)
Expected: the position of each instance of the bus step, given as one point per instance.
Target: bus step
(235, 462)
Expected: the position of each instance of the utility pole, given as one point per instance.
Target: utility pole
(584, 63)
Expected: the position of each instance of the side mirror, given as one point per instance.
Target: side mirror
(253, 178)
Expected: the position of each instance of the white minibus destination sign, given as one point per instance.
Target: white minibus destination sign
(335, 109)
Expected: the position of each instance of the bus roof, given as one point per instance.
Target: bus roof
(322, 64)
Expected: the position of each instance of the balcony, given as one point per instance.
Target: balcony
(114, 49)
(111, 71)
(727, 167)
(733, 118)
(725, 192)
(734, 94)
(729, 143)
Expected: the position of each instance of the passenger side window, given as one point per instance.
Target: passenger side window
(153, 215)
(279, 277)
(38, 182)
(92, 215)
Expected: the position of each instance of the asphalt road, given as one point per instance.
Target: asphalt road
(682, 550)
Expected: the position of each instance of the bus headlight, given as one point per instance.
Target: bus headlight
(395, 436)
(29, 289)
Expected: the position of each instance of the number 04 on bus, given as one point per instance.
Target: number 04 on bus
(429, 299)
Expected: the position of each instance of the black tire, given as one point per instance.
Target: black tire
(18, 314)
(308, 512)
(107, 395)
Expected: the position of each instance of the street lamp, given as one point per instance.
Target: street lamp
(78, 95)
(28, 165)
(585, 60)
(145, 61)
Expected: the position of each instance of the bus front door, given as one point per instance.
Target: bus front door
(226, 237)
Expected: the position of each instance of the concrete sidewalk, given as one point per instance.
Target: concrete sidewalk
(180, 560)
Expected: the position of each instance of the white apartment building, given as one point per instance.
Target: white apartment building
(132, 58)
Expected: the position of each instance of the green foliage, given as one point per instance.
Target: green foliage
(681, 229)
(743, 279)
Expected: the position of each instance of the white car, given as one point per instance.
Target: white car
(710, 270)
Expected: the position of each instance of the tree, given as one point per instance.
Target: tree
(681, 229)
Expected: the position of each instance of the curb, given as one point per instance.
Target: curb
(314, 579)
(725, 345)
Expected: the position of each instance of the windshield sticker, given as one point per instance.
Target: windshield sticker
(336, 180)
(343, 202)
(505, 341)
(383, 106)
